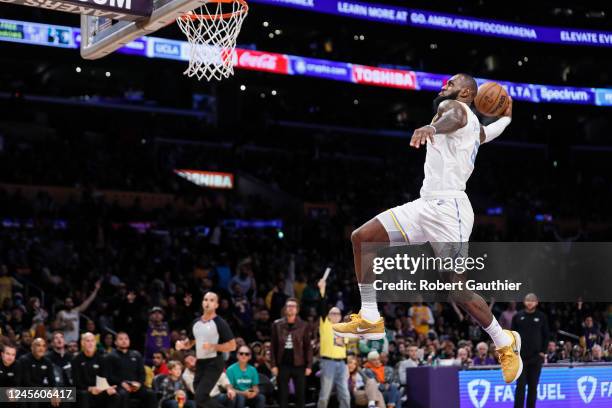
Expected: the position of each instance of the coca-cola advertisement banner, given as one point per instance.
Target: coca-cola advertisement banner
(261, 61)
(386, 77)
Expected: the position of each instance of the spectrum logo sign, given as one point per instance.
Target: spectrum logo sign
(210, 179)
(559, 387)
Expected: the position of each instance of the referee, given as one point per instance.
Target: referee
(532, 325)
(212, 336)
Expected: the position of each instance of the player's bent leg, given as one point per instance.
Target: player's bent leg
(367, 323)
(507, 343)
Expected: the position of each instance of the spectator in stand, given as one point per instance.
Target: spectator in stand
(276, 299)
(552, 355)
(158, 334)
(291, 353)
(19, 324)
(364, 390)
(130, 310)
(532, 325)
(463, 358)
(189, 361)
(591, 334)
(61, 359)
(171, 388)
(242, 307)
(36, 314)
(334, 373)
(244, 278)
(383, 375)
(597, 354)
(482, 357)
(25, 343)
(159, 363)
(262, 325)
(505, 319)
(68, 319)
(90, 327)
(422, 317)
(8, 368)
(412, 361)
(88, 365)
(244, 381)
(126, 372)
(73, 348)
(36, 370)
(107, 342)
(7, 283)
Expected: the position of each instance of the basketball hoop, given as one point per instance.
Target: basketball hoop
(211, 31)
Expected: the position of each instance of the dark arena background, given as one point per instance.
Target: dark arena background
(129, 190)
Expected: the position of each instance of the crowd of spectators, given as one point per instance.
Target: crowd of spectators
(137, 291)
(91, 281)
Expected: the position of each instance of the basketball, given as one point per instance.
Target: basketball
(492, 99)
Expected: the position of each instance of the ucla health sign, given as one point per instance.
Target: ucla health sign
(559, 387)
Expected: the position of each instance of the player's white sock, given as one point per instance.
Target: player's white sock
(497, 334)
(369, 307)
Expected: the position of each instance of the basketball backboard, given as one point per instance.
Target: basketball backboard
(102, 35)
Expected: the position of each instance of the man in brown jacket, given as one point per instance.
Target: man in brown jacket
(291, 353)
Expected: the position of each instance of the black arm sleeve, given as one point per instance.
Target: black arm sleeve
(225, 332)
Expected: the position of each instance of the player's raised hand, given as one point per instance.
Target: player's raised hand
(422, 136)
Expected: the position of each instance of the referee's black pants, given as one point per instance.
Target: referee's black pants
(206, 376)
(530, 377)
(285, 372)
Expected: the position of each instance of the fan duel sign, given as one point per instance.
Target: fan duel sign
(112, 9)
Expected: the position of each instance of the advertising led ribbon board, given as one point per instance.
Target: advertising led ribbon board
(284, 64)
(449, 22)
(559, 387)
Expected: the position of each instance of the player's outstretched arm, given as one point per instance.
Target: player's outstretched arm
(451, 116)
(493, 130)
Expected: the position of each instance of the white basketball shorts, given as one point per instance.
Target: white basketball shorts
(435, 220)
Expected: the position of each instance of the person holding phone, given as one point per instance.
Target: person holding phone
(244, 382)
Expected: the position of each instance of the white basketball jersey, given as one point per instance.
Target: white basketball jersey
(449, 162)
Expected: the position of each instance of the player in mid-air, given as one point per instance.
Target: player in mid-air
(443, 214)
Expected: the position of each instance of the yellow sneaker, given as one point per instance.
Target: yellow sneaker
(510, 358)
(358, 327)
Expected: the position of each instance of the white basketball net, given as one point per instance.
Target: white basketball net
(212, 30)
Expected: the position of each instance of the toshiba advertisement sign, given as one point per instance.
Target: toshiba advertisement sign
(209, 179)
